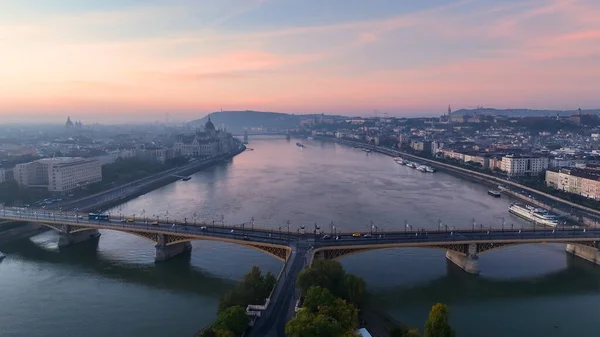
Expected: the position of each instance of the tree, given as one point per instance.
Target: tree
(328, 274)
(355, 289)
(343, 312)
(317, 297)
(253, 289)
(404, 332)
(209, 333)
(437, 323)
(308, 324)
(232, 319)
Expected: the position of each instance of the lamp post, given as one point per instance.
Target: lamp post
(194, 217)
(144, 215)
(405, 226)
(331, 227)
(167, 216)
(439, 225)
(371, 227)
(288, 226)
(252, 223)
(223, 220)
(474, 223)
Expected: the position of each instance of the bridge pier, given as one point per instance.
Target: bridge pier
(591, 254)
(164, 252)
(67, 239)
(468, 262)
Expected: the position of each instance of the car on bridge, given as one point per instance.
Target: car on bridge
(131, 220)
(356, 235)
(326, 237)
(155, 223)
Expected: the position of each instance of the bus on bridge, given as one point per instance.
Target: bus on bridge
(100, 217)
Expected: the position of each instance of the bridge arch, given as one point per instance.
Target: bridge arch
(169, 239)
(334, 252)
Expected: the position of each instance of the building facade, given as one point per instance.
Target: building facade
(60, 174)
(209, 143)
(582, 182)
(2, 175)
(514, 165)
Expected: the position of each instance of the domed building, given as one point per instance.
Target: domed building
(208, 143)
(69, 123)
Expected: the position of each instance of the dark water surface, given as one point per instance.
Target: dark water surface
(112, 287)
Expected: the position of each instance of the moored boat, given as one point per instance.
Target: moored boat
(429, 169)
(535, 215)
(186, 178)
(494, 193)
(422, 168)
(2, 256)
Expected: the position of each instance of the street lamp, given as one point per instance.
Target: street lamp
(331, 227)
(167, 216)
(288, 226)
(405, 226)
(439, 225)
(194, 217)
(474, 224)
(252, 223)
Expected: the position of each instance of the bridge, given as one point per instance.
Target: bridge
(172, 237)
(298, 249)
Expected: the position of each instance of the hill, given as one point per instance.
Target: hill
(520, 112)
(238, 121)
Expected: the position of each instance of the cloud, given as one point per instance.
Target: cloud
(469, 52)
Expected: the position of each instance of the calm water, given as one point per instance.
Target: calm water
(112, 287)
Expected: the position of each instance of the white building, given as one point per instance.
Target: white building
(60, 174)
(515, 165)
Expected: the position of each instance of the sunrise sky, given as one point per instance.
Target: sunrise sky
(117, 60)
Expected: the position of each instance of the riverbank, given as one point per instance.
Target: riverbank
(591, 220)
(126, 192)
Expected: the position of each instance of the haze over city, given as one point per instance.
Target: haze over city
(115, 61)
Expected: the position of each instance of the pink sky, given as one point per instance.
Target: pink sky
(137, 62)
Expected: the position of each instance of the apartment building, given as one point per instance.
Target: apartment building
(60, 174)
(582, 182)
(2, 175)
(522, 165)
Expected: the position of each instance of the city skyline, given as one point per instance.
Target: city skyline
(135, 60)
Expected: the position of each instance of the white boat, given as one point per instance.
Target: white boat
(366, 150)
(535, 215)
(411, 164)
(2, 256)
(422, 168)
(429, 169)
(309, 138)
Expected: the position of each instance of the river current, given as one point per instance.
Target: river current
(112, 287)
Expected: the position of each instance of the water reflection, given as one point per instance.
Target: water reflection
(178, 274)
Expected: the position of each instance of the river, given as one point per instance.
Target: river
(112, 287)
